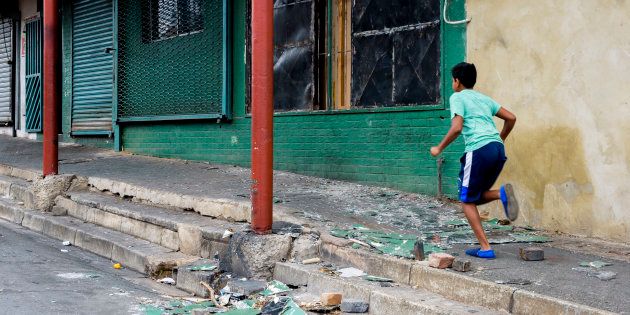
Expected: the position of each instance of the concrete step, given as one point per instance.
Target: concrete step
(172, 228)
(18, 189)
(131, 252)
(22, 173)
(399, 300)
(239, 211)
(451, 284)
(189, 279)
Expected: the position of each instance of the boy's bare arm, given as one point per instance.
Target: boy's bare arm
(509, 122)
(457, 124)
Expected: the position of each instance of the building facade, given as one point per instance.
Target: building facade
(361, 91)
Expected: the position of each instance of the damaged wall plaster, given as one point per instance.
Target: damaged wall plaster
(562, 68)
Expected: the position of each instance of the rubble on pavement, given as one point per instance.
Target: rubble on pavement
(237, 297)
(438, 239)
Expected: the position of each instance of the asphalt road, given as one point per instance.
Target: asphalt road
(37, 277)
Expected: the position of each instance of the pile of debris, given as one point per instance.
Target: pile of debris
(238, 297)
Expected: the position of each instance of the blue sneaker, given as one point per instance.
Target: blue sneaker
(477, 252)
(510, 205)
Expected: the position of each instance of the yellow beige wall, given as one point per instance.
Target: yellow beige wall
(563, 67)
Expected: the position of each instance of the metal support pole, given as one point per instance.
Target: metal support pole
(262, 115)
(52, 59)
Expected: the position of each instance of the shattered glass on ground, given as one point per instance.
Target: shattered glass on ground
(452, 232)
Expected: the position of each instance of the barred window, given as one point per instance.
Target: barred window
(172, 18)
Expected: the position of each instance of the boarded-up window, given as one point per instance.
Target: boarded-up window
(396, 52)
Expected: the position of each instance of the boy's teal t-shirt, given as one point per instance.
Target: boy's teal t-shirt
(477, 111)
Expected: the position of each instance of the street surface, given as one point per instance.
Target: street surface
(36, 277)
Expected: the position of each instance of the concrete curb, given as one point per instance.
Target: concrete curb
(133, 253)
(450, 284)
(17, 189)
(526, 302)
(25, 174)
(204, 240)
(391, 300)
(212, 207)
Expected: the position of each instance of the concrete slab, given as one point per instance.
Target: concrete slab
(401, 300)
(134, 253)
(10, 211)
(190, 280)
(406, 301)
(531, 303)
(377, 265)
(33, 221)
(462, 288)
(287, 273)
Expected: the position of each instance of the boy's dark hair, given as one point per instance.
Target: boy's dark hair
(466, 73)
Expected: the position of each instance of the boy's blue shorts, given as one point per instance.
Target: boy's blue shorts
(480, 169)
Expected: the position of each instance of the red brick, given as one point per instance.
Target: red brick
(329, 299)
(441, 260)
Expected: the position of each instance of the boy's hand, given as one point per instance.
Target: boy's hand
(435, 151)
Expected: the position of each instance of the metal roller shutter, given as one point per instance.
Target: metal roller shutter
(92, 66)
(6, 55)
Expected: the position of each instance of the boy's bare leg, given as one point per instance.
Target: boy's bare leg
(470, 210)
(489, 196)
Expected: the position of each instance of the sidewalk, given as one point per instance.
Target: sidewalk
(337, 206)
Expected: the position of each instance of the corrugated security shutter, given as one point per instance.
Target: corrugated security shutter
(6, 55)
(92, 66)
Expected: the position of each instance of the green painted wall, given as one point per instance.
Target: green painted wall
(380, 147)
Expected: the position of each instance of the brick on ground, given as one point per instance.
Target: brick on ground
(331, 298)
(354, 306)
(441, 260)
(461, 265)
(532, 253)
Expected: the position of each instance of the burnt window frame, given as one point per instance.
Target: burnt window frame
(183, 26)
(452, 50)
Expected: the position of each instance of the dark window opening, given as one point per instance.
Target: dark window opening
(299, 55)
(383, 54)
(396, 53)
(172, 18)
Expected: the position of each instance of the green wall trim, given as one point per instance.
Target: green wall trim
(359, 110)
(226, 102)
(170, 117)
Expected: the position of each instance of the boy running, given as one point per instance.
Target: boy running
(484, 156)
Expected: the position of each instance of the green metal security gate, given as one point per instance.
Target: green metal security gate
(172, 60)
(6, 69)
(34, 55)
(92, 67)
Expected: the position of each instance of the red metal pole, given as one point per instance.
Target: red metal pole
(262, 116)
(52, 57)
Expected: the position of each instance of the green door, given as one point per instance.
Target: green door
(34, 89)
(92, 67)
